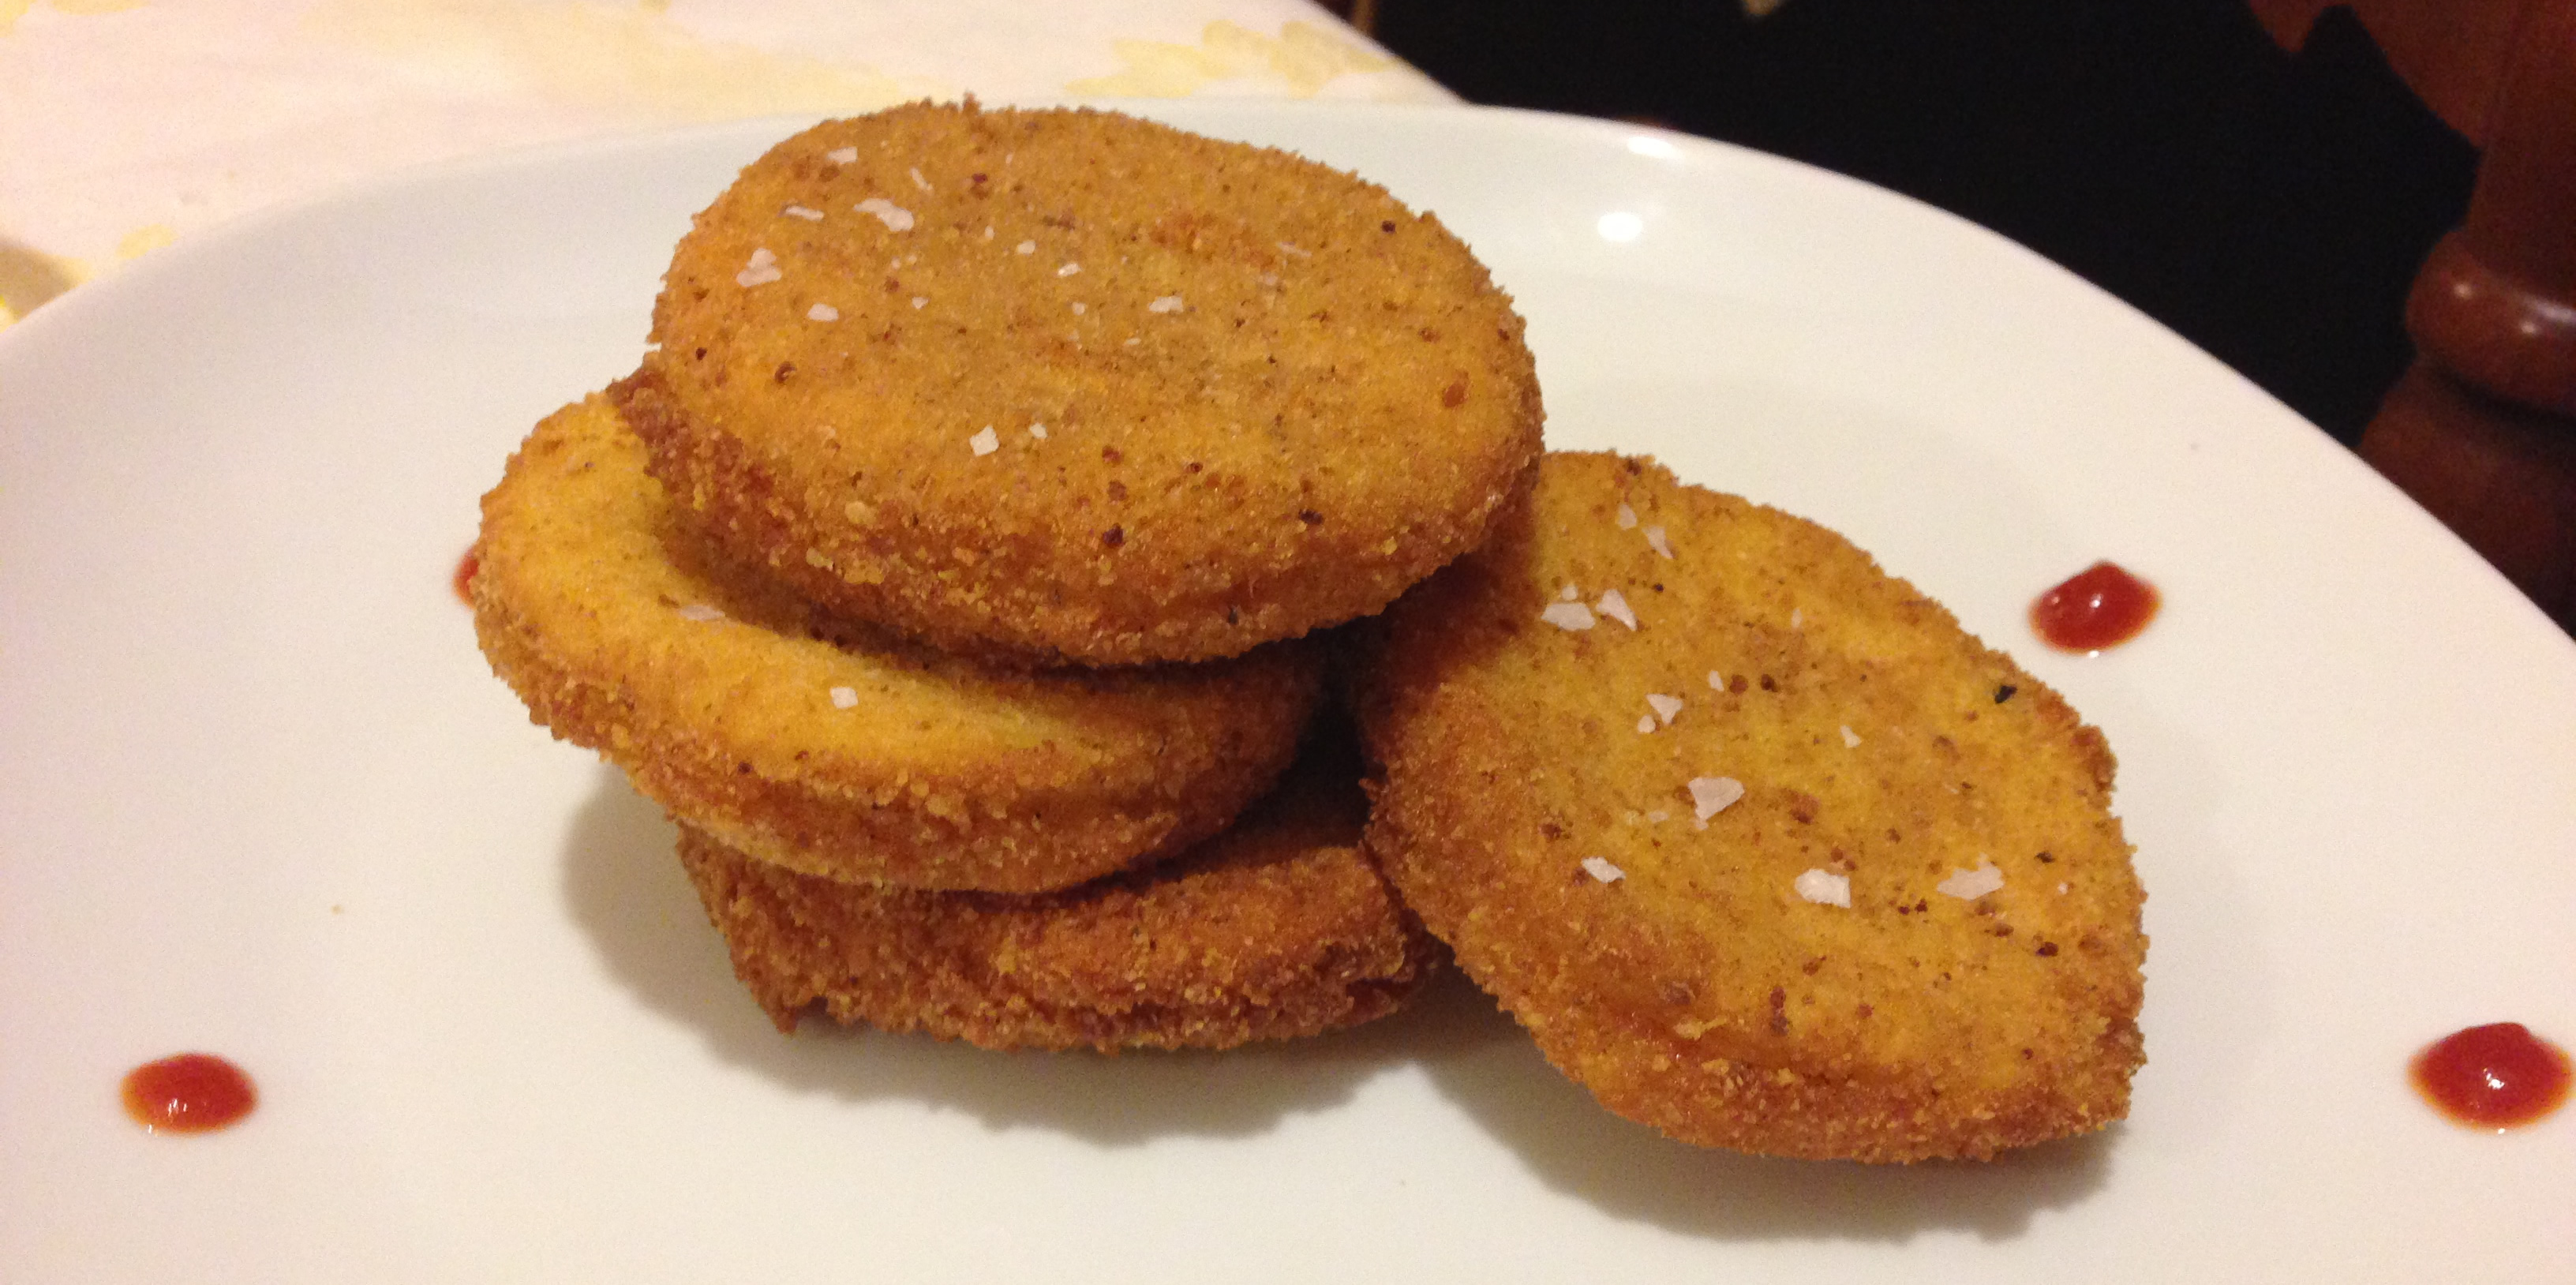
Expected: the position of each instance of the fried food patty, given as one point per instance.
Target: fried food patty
(1279, 927)
(728, 701)
(1757, 842)
(1071, 386)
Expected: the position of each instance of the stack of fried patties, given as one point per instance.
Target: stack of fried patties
(948, 571)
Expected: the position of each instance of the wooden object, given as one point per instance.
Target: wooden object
(2482, 431)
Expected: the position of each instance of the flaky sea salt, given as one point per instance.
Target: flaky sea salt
(1968, 885)
(1825, 888)
(920, 302)
(1568, 594)
(917, 180)
(1567, 615)
(842, 156)
(1711, 795)
(1168, 303)
(1850, 737)
(1025, 247)
(1627, 518)
(1716, 680)
(805, 212)
(1665, 707)
(1645, 724)
(760, 271)
(701, 611)
(822, 312)
(1068, 269)
(1615, 606)
(895, 217)
(1601, 869)
(1038, 431)
(1655, 540)
(985, 442)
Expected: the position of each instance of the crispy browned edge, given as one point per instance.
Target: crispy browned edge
(1452, 826)
(854, 822)
(1024, 603)
(1281, 927)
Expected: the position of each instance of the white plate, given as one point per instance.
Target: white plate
(260, 796)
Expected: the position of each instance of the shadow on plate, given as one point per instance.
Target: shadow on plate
(624, 887)
(1633, 1173)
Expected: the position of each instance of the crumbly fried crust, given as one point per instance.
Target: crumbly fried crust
(1232, 395)
(792, 737)
(1279, 927)
(1876, 742)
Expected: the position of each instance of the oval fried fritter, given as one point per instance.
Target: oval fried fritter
(1560, 803)
(1050, 386)
(1279, 927)
(732, 704)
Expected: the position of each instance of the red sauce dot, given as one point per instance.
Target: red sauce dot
(2101, 606)
(2496, 1076)
(190, 1093)
(463, 582)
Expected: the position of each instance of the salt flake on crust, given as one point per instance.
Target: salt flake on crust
(1711, 795)
(1567, 615)
(1615, 605)
(895, 217)
(1968, 885)
(760, 271)
(1825, 888)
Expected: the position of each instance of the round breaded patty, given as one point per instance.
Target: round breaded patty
(1071, 386)
(1279, 927)
(1757, 842)
(728, 701)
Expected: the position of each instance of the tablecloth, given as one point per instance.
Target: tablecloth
(126, 125)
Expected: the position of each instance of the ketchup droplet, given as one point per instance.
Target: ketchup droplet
(2496, 1076)
(190, 1093)
(2101, 606)
(463, 582)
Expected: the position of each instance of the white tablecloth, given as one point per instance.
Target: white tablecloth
(126, 125)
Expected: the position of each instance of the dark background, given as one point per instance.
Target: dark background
(2271, 207)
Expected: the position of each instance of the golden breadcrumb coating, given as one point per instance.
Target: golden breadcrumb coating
(1279, 927)
(1071, 386)
(1558, 802)
(732, 704)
